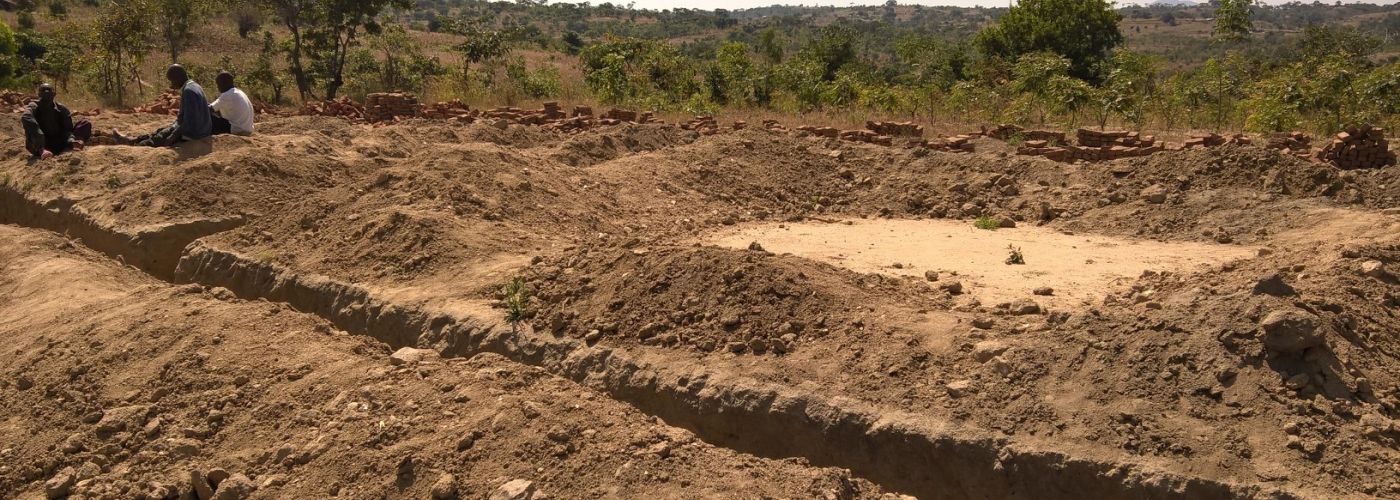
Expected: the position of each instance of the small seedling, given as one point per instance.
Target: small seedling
(517, 298)
(1015, 257)
(987, 222)
(113, 182)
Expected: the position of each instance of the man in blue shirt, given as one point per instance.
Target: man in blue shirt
(193, 122)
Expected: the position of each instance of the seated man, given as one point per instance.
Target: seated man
(193, 122)
(49, 128)
(233, 111)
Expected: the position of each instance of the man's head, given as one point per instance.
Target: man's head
(46, 93)
(177, 76)
(225, 81)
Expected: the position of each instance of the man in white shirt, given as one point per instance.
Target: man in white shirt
(233, 111)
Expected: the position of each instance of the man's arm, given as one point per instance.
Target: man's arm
(188, 104)
(28, 118)
(65, 117)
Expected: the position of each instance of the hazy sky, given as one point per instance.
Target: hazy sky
(743, 4)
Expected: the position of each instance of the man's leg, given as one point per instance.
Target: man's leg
(165, 136)
(33, 140)
(222, 126)
(83, 130)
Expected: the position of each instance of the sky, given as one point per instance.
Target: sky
(745, 4)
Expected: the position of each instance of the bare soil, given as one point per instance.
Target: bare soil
(1219, 323)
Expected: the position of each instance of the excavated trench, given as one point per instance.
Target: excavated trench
(901, 451)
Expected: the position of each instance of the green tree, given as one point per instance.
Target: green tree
(9, 47)
(1044, 86)
(1084, 31)
(770, 45)
(265, 78)
(296, 16)
(1232, 21)
(1129, 81)
(122, 35)
(480, 45)
(176, 19)
(338, 30)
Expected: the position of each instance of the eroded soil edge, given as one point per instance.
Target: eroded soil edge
(915, 454)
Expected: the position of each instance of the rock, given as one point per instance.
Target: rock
(1154, 194)
(982, 322)
(23, 382)
(236, 487)
(1273, 284)
(1006, 222)
(931, 275)
(1290, 331)
(959, 388)
(445, 488)
(1044, 290)
(517, 489)
(1374, 269)
(61, 484)
(1023, 307)
(200, 485)
(73, 444)
(952, 287)
(756, 247)
(216, 477)
(987, 349)
(412, 356)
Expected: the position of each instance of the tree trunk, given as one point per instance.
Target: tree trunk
(303, 86)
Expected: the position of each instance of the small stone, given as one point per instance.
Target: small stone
(987, 349)
(1044, 290)
(1298, 382)
(736, 347)
(982, 322)
(1023, 307)
(952, 287)
(1374, 268)
(412, 356)
(661, 450)
(23, 382)
(517, 489)
(1273, 284)
(959, 388)
(931, 275)
(1290, 331)
(200, 485)
(216, 477)
(1154, 194)
(235, 487)
(73, 444)
(61, 484)
(445, 488)
(754, 246)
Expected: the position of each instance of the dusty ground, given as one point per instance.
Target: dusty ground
(1225, 314)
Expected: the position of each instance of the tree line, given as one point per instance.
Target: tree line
(1041, 62)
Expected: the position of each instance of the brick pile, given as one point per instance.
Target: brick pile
(1212, 140)
(342, 107)
(167, 103)
(866, 136)
(1007, 131)
(895, 129)
(953, 144)
(740, 125)
(552, 111)
(828, 132)
(1358, 147)
(449, 110)
(1291, 143)
(583, 111)
(619, 115)
(15, 101)
(1097, 139)
(704, 124)
(387, 106)
(774, 125)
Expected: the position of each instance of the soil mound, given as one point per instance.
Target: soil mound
(707, 299)
(609, 143)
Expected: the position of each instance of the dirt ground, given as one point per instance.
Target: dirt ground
(1203, 323)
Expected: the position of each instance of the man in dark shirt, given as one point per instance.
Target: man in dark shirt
(49, 128)
(193, 122)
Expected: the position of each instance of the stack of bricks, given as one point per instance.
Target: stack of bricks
(866, 136)
(615, 116)
(896, 129)
(740, 124)
(15, 101)
(828, 132)
(1097, 139)
(583, 111)
(167, 103)
(774, 126)
(1291, 143)
(953, 144)
(1212, 140)
(1093, 145)
(552, 111)
(342, 107)
(387, 106)
(1358, 147)
(449, 110)
(571, 125)
(705, 125)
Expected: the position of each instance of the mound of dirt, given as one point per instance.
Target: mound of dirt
(587, 149)
(137, 389)
(707, 299)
